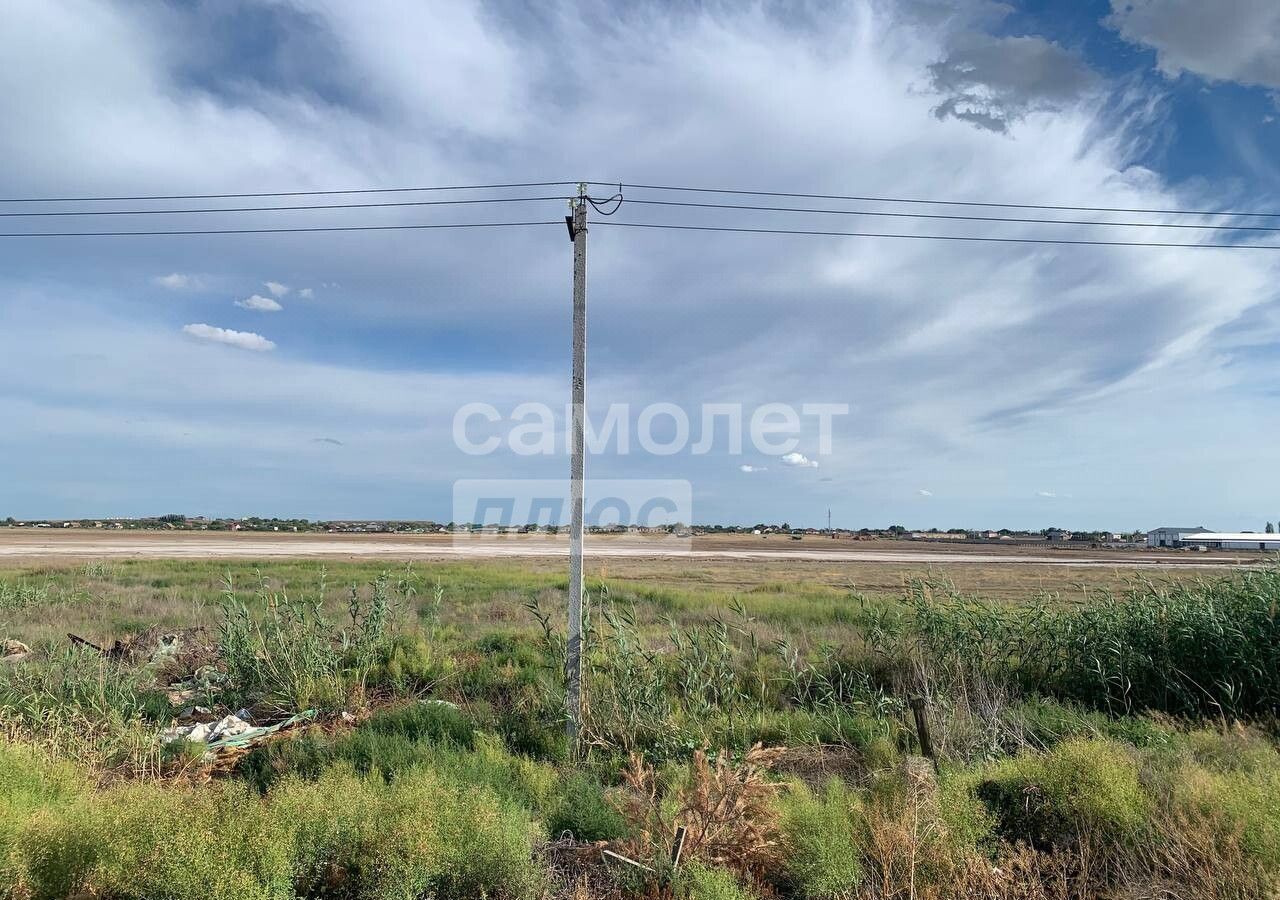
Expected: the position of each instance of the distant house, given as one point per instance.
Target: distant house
(1170, 535)
(1057, 534)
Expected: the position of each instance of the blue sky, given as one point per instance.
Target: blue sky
(989, 386)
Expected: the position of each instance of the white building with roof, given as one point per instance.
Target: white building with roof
(1231, 540)
(1169, 535)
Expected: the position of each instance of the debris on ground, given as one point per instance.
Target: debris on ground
(580, 869)
(435, 701)
(179, 650)
(12, 651)
(204, 683)
(230, 732)
(208, 732)
(158, 648)
(82, 642)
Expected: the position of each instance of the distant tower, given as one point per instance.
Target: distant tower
(829, 531)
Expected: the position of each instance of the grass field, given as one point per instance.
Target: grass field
(108, 596)
(1095, 734)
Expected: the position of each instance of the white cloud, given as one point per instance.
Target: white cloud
(1049, 494)
(276, 288)
(749, 468)
(1080, 347)
(175, 281)
(923, 493)
(259, 303)
(245, 340)
(306, 293)
(798, 460)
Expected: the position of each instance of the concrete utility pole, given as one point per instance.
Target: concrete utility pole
(577, 223)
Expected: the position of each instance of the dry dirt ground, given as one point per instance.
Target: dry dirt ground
(28, 544)
(713, 563)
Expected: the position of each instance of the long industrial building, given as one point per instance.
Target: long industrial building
(1199, 536)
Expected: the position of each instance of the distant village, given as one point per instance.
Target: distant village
(178, 522)
(1169, 537)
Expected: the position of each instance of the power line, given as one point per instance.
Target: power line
(939, 237)
(46, 234)
(397, 190)
(240, 209)
(954, 217)
(656, 225)
(862, 199)
(650, 187)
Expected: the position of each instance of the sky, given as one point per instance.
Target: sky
(318, 375)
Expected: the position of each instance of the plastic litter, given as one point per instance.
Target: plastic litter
(14, 651)
(230, 731)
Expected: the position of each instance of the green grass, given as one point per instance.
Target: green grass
(1078, 788)
(1070, 735)
(426, 834)
(821, 840)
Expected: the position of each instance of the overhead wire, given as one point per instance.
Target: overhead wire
(237, 196)
(950, 216)
(310, 206)
(608, 206)
(598, 203)
(938, 237)
(949, 202)
(295, 230)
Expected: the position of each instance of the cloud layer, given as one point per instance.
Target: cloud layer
(983, 371)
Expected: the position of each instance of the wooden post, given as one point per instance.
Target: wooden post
(922, 730)
(677, 848)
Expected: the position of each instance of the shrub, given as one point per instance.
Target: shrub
(409, 664)
(515, 778)
(725, 806)
(30, 788)
(145, 840)
(970, 825)
(819, 844)
(78, 704)
(698, 882)
(80, 679)
(341, 836)
(1231, 785)
(584, 812)
(535, 732)
(1201, 648)
(398, 742)
(1078, 787)
(1044, 722)
(216, 842)
(432, 722)
(292, 658)
(420, 835)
